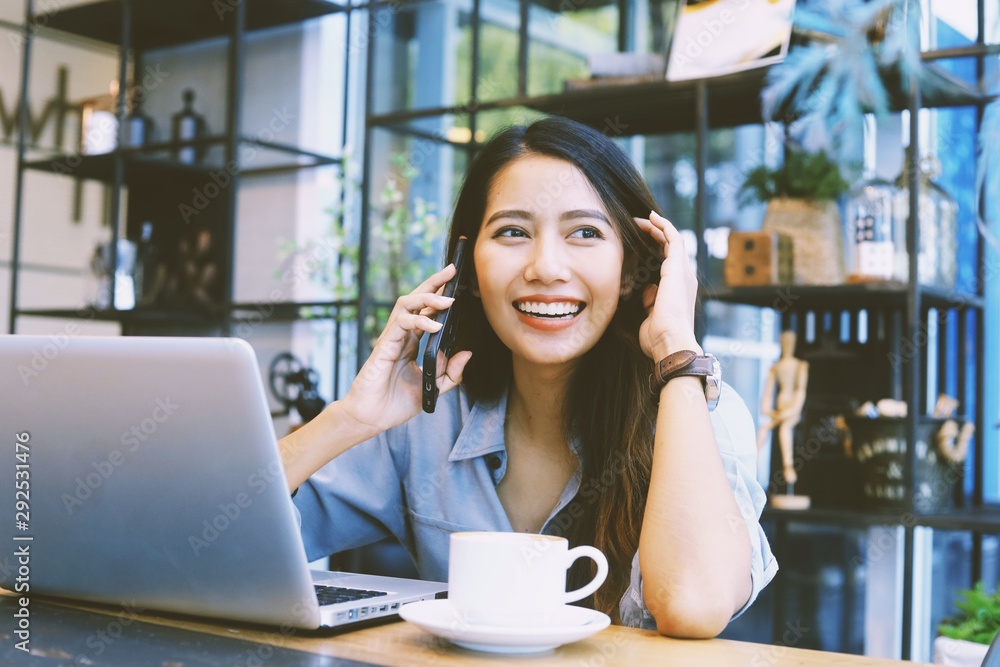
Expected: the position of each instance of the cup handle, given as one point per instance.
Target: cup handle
(595, 583)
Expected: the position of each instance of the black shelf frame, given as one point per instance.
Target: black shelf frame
(207, 317)
(155, 25)
(699, 106)
(889, 294)
(248, 311)
(101, 167)
(648, 107)
(134, 27)
(985, 519)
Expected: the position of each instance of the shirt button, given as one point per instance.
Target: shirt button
(494, 462)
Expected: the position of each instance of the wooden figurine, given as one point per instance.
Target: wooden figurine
(783, 411)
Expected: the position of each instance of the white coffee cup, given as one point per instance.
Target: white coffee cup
(514, 579)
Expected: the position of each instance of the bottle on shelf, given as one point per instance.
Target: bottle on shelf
(139, 128)
(871, 237)
(102, 273)
(149, 270)
(186, 126)
(937, 218)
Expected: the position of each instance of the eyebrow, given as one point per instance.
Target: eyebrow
(521, 214)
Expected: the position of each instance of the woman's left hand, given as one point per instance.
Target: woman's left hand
(669, 326)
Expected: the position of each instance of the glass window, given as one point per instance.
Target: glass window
(992, 22)
(656, 25)
(955, 136)
(418, 49)
(412, 184)
(498, 50)
(562, 34)
(490, 122)
(669, 169)
(954, 23)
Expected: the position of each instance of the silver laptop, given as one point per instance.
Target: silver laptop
(145, 472)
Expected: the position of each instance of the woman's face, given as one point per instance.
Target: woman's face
(548, 261)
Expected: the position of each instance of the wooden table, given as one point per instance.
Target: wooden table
(63, 633)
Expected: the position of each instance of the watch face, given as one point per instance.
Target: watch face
(713, 390)
(713, 384)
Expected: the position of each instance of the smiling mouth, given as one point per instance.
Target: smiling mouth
(549, 311)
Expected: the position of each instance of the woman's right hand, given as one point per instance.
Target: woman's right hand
(387, 390)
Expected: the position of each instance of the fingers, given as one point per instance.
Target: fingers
(452, 374)
(422, 302)
(417, 302)
(412, 322)
(665, 226)
(436, 280)
(414, 319)
(654, 232)
(661, 230)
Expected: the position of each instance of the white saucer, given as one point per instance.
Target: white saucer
(570, 624)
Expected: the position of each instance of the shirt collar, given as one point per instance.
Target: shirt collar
(482, 432)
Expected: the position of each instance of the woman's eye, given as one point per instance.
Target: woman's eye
(510, 232)
(589, 233)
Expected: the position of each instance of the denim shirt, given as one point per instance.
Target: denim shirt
(437, 474)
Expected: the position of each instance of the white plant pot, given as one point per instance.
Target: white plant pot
(958, 652)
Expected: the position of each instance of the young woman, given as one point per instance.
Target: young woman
(577, 288)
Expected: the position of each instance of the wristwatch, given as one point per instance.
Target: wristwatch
(689, 362)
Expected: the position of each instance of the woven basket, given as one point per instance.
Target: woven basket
(816, 238)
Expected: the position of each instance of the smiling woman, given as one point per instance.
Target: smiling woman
(577, 287)
(555, 265)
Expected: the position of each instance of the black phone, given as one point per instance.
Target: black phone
(444, 338)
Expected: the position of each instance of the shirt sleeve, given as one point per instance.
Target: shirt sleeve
(355, 499)
(735, 436)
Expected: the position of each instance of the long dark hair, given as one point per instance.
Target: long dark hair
(608, 407)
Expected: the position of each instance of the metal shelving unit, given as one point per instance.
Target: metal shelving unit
(900, 308)
(135, 27)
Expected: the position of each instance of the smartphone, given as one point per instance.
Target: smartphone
(444, 338)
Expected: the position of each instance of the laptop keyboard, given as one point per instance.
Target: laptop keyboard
(335, 594)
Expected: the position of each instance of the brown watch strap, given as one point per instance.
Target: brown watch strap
(678, 364)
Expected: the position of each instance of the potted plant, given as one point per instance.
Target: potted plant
(801, 199)
(964, 639)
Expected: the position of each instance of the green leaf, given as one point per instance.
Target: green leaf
(979, 621)
(802, 176)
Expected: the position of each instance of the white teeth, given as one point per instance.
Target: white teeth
(537, 308)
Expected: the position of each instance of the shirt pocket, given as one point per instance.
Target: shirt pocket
(432, 540)
(422, 521)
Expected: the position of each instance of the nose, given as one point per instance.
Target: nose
(547, 262)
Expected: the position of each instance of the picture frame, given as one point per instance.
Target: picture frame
(717, 37)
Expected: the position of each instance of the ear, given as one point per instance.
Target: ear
(628, 279)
